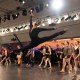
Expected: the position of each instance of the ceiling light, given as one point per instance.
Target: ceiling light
(43, 24)
(47, 5)
(49, 20)
(59, 21)
(73, 17)
(3, 31)
(11, 30)
(57, 4)
(76, 18)
(68, 18)
(23, 2)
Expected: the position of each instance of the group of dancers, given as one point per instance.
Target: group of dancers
(68, 54)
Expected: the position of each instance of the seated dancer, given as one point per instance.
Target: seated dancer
(35, 39)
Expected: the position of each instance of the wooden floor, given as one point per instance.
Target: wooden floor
(13, 72)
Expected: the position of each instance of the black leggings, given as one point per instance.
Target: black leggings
(35, 42)
(47, 38)
(34, 33)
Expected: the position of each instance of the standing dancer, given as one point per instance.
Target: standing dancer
(76, 56)
(66, 59)
(19, 57)
(48, 56)
(59, 55)
(43, 51)
(30, 58)
(5, 57)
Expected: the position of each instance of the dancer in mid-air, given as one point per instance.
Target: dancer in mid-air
(34, 31)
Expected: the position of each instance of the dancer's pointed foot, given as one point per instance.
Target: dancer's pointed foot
(40, 66)
(62, 32)
(50, 68)
(62, 71)
(44, 67)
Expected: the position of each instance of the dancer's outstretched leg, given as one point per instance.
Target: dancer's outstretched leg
(47, 38)
(34, 33)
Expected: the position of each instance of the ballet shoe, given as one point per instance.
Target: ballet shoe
(62, 32)
(50, 68)
(39, 66)
(62, 71)
(44, 67)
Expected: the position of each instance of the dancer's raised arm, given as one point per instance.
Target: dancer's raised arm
(31, 23)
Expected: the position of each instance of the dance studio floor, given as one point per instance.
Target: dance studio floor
(13, 72)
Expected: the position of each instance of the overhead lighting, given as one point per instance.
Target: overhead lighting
(43, 24)
(8, 30)
(76, 17)
(59, 21)
(11, 30)
(57, 4)
(47, 5)
(49, 20)
(23, 2)
(65, 16)
(68, 18)
(3, 31)
(16, 30)
(73, 17)
(17, 14)
(26, 27)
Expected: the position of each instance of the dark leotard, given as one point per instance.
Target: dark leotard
(35, 39)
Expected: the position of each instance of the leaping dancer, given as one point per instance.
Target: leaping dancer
(35, 39)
